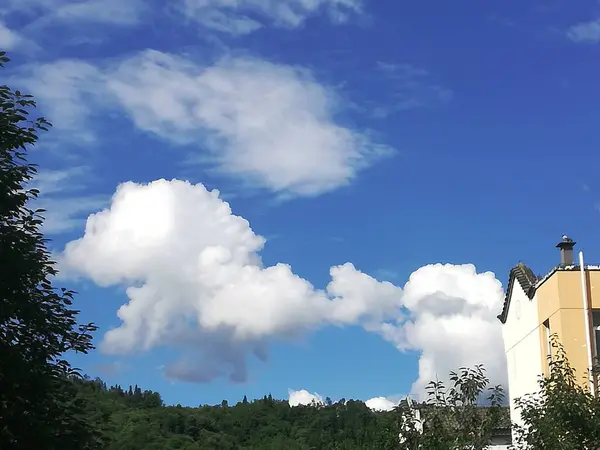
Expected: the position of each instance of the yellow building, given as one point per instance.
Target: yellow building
(565, 302)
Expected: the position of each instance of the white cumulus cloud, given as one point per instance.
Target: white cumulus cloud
(239, 17)
(303, 397)
(451, 322)
(195, 282)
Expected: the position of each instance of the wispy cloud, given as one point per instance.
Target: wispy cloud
(112, 368)
(62, 196)
(66, 214)
(269, 125)
(118, 12)
(68, 92)
(585, 32)
(387, 274)
(54, 181)
(408, 87)
(9, 39)
(37, 16)
(241, 17)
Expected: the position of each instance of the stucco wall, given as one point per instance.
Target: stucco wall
(593, 278)
(560, 301)
(523, 346)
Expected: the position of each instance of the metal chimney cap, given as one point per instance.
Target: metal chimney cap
(566, 243)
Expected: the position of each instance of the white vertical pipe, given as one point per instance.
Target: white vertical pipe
(586, 316)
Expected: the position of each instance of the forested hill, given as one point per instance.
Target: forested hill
(132, 419)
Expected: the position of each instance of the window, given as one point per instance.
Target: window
(548, 341)
(596, 328)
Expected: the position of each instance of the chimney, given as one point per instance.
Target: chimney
(566, 251)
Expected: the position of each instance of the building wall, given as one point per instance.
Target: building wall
(593, 278)
(557, 302)
(560, 302)
(522, 343)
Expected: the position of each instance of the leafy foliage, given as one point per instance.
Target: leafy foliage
(452, 418)
(38, 407)
(564, 415)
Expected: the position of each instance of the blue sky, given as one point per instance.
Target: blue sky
(395, 136)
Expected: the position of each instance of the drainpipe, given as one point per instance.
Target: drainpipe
(586, 316)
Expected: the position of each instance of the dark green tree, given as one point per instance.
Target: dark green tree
(563, 415)
(39, 408)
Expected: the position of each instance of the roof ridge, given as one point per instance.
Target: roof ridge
(526, 278)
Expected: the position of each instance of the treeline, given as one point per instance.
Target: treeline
(132, 419)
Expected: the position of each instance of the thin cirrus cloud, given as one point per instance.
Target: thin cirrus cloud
(43, 12)
(410, 87)
(237, 17)
(35, 17)
(240, 17)
(272, 125)
(195, 282)
(69, 92)
(63, 198)
(585, 32)
(9, 39)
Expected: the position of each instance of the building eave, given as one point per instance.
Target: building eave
(528, 282)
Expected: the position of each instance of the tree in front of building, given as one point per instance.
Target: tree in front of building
(563, 415)
(453, 417)
(39, 406)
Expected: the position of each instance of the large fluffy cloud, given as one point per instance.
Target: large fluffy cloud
(269, 124)
(195, 282)
(451, 322)
(194, 279)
